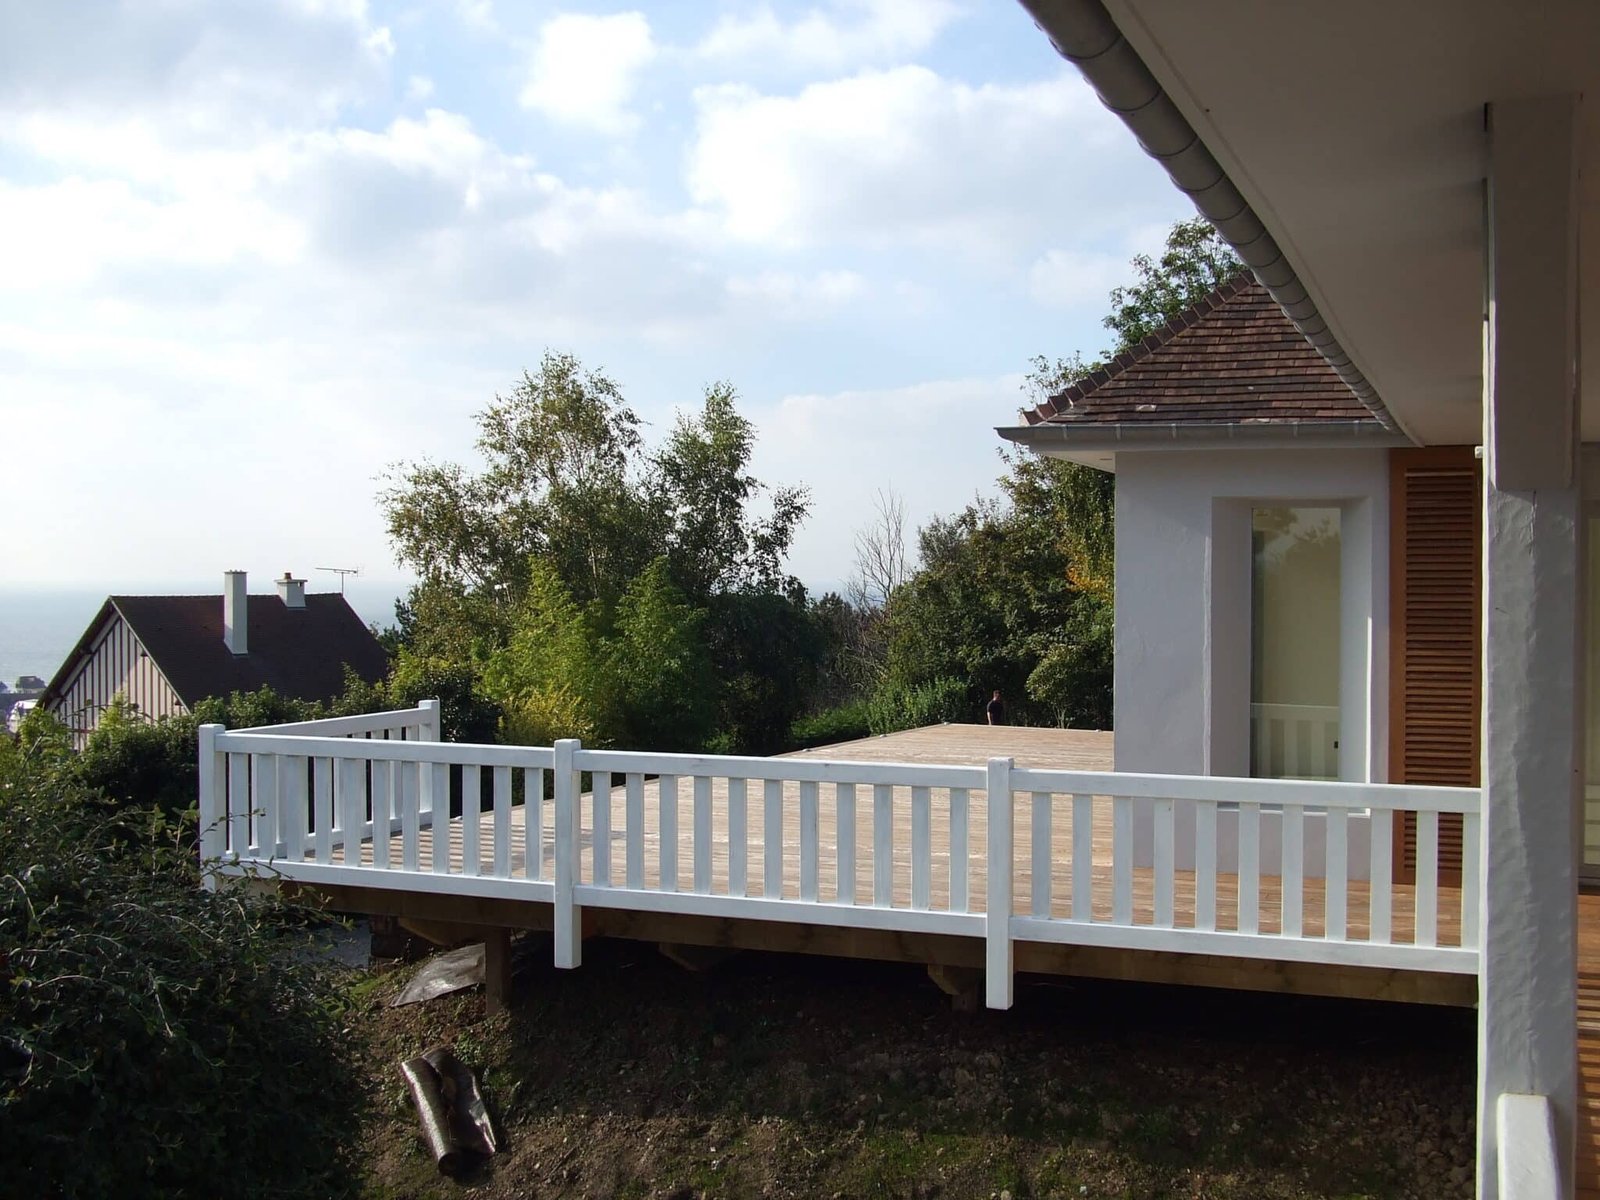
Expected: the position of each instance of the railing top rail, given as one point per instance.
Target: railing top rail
(1305, 793)
(464, 753)
(806, 770)
(400, 718)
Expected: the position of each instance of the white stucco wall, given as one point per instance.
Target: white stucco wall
(1183, 618)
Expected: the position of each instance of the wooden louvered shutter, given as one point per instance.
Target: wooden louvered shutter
(1435, 556)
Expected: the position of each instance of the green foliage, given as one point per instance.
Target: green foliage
(542, 715)
(635, 675)
(135, 762)
(547, 676)
(657, 667)
(560, 484)
(910, 706)
(715, 545)
(1195, 261)
(766, 653)
(155, 1038)
(466, 714)
(540, 568)
(138, 763)
(1002, 586)
(846, 723)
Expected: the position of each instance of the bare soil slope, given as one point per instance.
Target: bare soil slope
(775, 1076)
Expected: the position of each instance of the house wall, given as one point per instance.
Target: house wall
(116, 663)
(1182, 678)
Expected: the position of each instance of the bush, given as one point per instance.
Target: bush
(542, 716)
(155, 1038)
(845, 723)
(929, 703)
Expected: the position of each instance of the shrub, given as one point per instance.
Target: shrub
(155, 1038)
(929, 703)
(845, 723)
(541, 716)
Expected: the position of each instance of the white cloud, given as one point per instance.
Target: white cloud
(929, 442)
(205, 69)
(789, 294)
(1075, 279)
(477, 15)
(845, 34)
(908, 156)
(419, 87)
(585, 69)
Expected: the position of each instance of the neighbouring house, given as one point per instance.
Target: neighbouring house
(1417, 187)
(18, 713)
(164, 654)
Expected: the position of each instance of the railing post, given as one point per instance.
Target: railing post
(568, 927)
(430, 725)
(429, 729)
(997, 908)
(213, 836)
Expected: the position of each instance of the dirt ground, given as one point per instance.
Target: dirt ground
(779, 1076)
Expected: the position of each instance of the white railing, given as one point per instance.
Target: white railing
(886, 846)
(1294, 741)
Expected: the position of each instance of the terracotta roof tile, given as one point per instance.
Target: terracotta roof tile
(1233, 358)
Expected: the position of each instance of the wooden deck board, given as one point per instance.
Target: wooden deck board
(1588, 1132)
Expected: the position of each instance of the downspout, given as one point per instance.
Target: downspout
(1086, 36)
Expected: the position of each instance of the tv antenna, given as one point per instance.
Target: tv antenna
(341, 572)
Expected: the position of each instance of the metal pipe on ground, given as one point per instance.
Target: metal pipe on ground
(450, 1109)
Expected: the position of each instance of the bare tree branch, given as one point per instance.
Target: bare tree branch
(881, 565)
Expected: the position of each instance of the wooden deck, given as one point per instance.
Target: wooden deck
(948, 745)
(1588, 1137)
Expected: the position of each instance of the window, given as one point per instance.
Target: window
(1294, 642)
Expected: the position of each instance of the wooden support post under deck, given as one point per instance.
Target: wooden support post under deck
(964, 985)
(497, 971)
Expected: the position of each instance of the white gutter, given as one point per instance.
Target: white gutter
(1087, 37)
(1158, 435)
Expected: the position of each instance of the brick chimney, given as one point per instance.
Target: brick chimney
(235, 612)
(292, 591)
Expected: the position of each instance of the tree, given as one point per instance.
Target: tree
(1195, 261)
(561, 484)
(546, 677)
(714, 544)
(881, 565)
(657, 667)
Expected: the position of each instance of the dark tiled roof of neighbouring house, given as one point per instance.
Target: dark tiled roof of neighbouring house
(1234, 358)
(298, 652)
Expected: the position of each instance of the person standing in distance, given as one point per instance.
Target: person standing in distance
(996, 709)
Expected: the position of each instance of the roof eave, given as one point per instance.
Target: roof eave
(1048, 436)
(1086, 34)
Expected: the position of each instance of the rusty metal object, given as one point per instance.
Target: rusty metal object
(450, 1109)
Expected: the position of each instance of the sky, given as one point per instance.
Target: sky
(255, 253)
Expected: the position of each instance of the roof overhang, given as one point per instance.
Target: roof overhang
(1355, 133)
(1097, 445)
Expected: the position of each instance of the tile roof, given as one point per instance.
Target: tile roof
(296, 652)
(1234, 358)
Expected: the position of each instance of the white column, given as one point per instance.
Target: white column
(1527, 1035)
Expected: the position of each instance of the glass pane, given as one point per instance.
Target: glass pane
(1294, 643)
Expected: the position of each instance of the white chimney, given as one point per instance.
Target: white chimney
(235, 613)
(292, 591)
